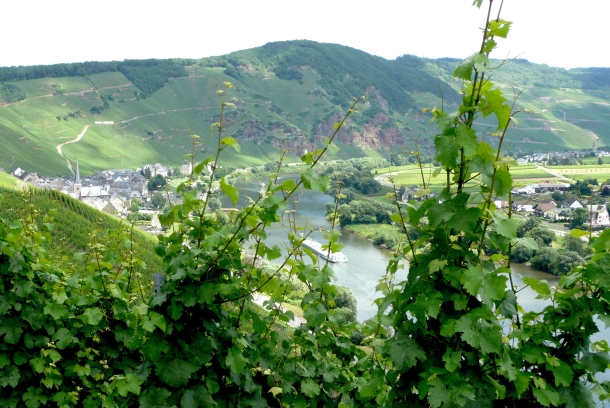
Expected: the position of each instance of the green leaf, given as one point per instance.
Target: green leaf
(452, 359)
(229, 190)
(10, 376)
(92, 316)
(465, 221)
(175, 372)
(499, 28)
(503, 183)
(437, 265)
(508, 307)
(467, 138)
(55, 310)
(129, 383)
(447, 150)
(157, 319)
(528, 242)
(540, 286)
(404, 351)
(4, 360)
(472, 279)
(506, 364)
(154, 397)
(310, 387)
(507, 227)
(63, 338)
(464, 70)
(235, 360)
(494, 102)
(313, 182)
(275, 391)
(563, 374)
(33, 397)
(546, 396)
(196, 397)
(230, 141)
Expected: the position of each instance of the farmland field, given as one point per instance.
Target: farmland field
(581, 172)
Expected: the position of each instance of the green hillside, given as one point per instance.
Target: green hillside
(73, 223)
(287, 96)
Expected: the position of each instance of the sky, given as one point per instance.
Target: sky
(558, 33)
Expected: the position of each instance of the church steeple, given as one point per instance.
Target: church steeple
(77, 173)
(77, 185)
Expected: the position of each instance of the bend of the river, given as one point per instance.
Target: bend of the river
(366, 262)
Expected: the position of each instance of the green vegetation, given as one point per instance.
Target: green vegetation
(153, 104)
(11, 93)
(75, 223)
(85, 333)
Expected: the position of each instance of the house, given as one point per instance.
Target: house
(527, 190)
(542, 210)
(571, 203)
(523, 205)
(599, 214)
(501, 203)
(550, 187)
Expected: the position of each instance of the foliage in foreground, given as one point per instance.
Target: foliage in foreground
(456, 335)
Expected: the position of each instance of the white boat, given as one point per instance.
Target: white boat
(316, 247)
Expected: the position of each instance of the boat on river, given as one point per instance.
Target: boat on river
(316, 247)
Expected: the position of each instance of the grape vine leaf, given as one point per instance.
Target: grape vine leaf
(175, 372)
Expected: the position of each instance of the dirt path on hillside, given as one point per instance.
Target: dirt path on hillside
(60, 146)
(163, 112)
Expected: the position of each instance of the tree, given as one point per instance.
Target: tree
(574, 244)
(158, 200)
(582, 188)
(564, 262)
(543, 259)
(368, 185)
(579, 217)
(135, 206)
(214, 204)
(156, 182)
(521, 253)
(542, 235)
(600, 161)
(558, 196)
(525, 226)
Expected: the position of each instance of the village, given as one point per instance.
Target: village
(116, 192)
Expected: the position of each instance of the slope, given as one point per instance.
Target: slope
(74, 223)
(287, 96)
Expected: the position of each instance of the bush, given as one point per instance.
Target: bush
(520, 253)
(543, 259)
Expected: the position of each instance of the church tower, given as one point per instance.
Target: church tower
(77, 184)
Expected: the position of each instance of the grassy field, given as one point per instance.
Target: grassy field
(12, 183)
(370, 230)
(601, 173)
(411, 175)
(594, 160)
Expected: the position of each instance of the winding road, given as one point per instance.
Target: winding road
(60, 146)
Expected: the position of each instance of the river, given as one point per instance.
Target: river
(366, 262)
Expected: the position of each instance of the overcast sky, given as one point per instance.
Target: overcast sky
(559, 33)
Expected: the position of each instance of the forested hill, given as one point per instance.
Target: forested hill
(287, 95)
(344, 71)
